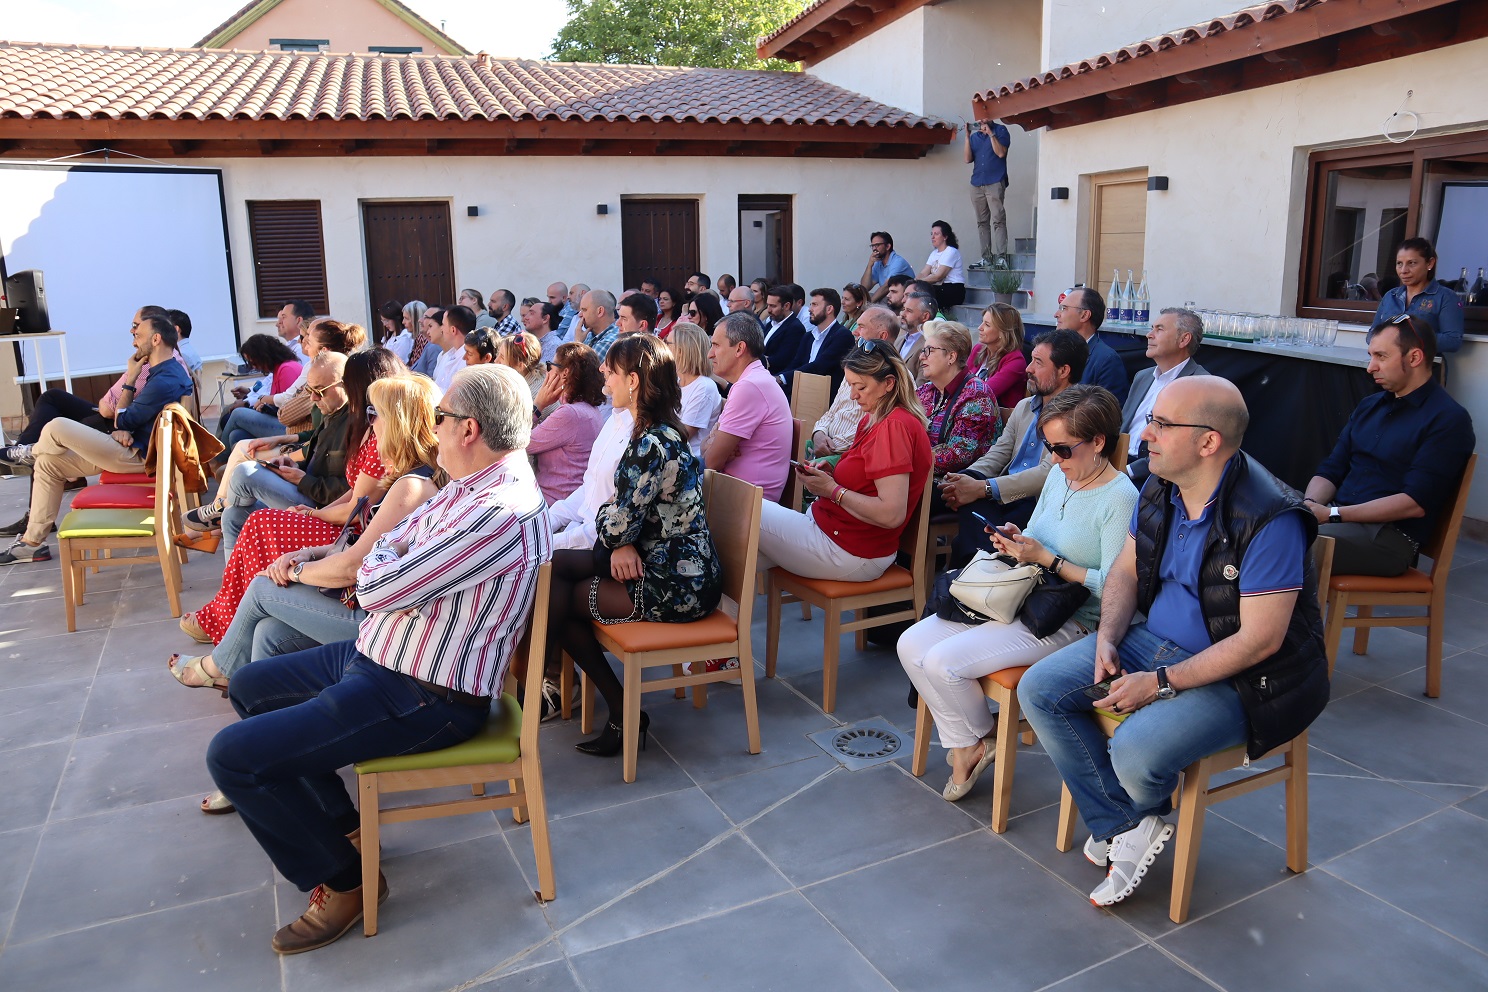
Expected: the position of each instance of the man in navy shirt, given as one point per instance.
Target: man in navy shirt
(986, 153)
(70, 450)
(1083, 311)
(1231, 652)
(1398, 460)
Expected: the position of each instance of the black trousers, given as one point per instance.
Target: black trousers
(1369, 549)
(55, 403)
(972, 536)
(950, 294)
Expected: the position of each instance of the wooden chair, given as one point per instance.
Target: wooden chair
(1414, 588)
(506, 748)
(898, 586)
(1196, 794)
(811, 396)
(734, 521)
(793, 495)
(87, 538)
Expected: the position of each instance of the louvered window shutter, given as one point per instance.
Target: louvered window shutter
(288, 254)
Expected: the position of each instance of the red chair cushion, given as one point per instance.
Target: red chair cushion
(126, 479)
(1414, 580)
(114, 496)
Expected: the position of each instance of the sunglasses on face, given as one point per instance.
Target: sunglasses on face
(371, 413)
(1062, 450)
(441, 415)
(318, 392)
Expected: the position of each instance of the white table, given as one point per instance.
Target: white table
(36, 339)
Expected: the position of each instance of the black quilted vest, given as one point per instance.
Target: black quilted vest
(1281, 694)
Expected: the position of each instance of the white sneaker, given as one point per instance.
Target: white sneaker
(1098, 852)
(1131, 854)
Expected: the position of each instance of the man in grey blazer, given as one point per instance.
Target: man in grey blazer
(1172, 343)
(1004, 484)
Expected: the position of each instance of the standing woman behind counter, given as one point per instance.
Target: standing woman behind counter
(1421, 295)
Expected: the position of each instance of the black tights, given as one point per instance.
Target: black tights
(569, 621)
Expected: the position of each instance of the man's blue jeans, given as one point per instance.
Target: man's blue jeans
(246, 422)
(271, 621)
(1117, 782)
(252, 487)
(304, 716)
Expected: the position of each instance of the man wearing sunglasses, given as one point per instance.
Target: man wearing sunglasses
(1381, 491)
(1003, 485)
(1231, 651)
(284, 482)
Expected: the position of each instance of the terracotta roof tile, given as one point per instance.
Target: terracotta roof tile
(39, 81)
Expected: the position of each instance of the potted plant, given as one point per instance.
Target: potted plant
(1005, 283)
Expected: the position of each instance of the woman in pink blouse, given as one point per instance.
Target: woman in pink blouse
(998, 357)
(561, 441)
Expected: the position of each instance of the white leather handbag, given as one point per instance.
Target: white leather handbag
(995, 586)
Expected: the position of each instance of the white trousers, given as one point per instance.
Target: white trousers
(944, 659)
(794, 542)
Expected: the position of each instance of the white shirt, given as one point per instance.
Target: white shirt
(818, 334)
(952, 257)
(574, 516)
(1160, 381)
(400, 344)
(445, 368)
(294, 346)
(701, 403)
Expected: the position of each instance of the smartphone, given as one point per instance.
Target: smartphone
(999, 528)
(1101, 689)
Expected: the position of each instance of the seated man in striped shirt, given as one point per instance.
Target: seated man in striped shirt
(447, 594)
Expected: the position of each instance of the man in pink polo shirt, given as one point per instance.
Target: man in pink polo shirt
(753, 438)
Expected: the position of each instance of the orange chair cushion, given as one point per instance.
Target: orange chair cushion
(1414, 580)
(126, 479)
(897, 577)
(1008, 678)
(114, 496)
(715, 628)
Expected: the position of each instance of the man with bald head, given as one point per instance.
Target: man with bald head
(741, 298)
(597, 314)
(1231, 651)
(558, 296)
(839, 425)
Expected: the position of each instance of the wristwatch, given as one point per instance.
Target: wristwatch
(294, 573)
(1165, 688)
(990, 493)
(1335, 516)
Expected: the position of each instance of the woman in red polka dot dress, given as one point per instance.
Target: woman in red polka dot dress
(270, 533)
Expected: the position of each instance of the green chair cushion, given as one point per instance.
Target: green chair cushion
(108, 523)
(498, 742)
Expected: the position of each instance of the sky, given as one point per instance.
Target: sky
(504, 28)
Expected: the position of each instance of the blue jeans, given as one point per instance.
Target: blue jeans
(246, 422)
(1117, 782)
(304, 716)
(271, 621)
(253, 487)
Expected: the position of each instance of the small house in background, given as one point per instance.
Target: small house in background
(377, 27)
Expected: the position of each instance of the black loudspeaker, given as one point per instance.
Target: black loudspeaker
(26, 292)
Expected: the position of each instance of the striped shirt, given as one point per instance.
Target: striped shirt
(453, 607)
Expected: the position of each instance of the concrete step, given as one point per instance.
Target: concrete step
(1025, 244)
(970, 312)
(983, 285)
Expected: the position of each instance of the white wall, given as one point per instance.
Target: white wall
(888, 65)
(1082, 29)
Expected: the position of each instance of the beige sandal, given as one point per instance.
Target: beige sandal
(193, 629)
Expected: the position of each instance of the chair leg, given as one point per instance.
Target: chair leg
(170, 571)
(922, 739)
(860, 636)
(631, 730)
(831, 646)
(1296, 805)
(371, 851)
(1361, 634)
(772, 626)
(680, 692)
(1435, 629)
(1006, 745)
(514, 787)
(537, 808)
(565, 684)
(1190, 832)
(1064, 834)
(1333, 632)
(751, 703)
(69, 583)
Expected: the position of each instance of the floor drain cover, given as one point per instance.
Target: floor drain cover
(864, 744)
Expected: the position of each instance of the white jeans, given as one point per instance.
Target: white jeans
(794, 542)
(944, 659)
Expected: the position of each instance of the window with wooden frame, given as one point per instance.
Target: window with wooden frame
(1362, 202)
(288, 254)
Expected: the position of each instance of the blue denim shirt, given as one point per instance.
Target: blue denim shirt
(165, 383)
(1436, 304)
(1030, 450)
(987, 167)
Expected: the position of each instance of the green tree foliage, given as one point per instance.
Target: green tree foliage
(718, 33)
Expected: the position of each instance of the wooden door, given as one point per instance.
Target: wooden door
(659, 240)
(1118, 227)
(409, 254)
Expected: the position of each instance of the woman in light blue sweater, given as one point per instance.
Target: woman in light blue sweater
(1078, 529)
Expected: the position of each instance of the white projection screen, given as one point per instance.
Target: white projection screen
(110, 239)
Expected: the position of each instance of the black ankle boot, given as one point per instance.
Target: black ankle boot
(609, 741)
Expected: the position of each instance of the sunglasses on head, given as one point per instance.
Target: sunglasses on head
(872, 345)
(1062, 450)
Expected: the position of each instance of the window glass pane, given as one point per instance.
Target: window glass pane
(1363, 222)
(1454, 196)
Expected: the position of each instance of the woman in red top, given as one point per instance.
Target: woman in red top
(852, 530)
(669, 303)
(270, 533)
(998, 359)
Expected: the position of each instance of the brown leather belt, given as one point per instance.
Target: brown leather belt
(449, 695)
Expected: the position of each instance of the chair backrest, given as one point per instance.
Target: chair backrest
(915, 537)
(734, 521)
(811, 395)
(165, 468)
(794, 492)
(533, 647)
(1322, 563)
(1118, 460)
(1441, 545)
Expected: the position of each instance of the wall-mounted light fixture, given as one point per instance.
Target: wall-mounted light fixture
(1157, 184)
(602, 209)
(1059, 193)
(472, 211)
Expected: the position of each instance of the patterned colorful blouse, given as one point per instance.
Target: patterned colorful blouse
(658, 507)
(963, 421)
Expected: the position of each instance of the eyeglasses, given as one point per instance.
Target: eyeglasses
(1062, 450)
(935, 347)
(371, 413)
(318, 392)
(1163, 425)
(441, 414)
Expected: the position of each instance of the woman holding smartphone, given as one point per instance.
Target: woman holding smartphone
(1076, 532)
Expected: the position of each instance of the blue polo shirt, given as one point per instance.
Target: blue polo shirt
(895, 265)
(1273, 563)
(1436, 304)
(988, 168)
(1417, 444)
(1105, 368)
(1030, 450)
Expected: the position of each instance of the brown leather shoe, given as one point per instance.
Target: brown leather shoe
(327, 919)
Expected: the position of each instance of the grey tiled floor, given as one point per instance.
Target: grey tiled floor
(718, 869)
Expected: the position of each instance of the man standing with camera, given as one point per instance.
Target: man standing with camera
(986, 152)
